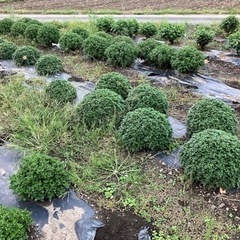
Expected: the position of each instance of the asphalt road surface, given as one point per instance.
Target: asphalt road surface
(194, 19)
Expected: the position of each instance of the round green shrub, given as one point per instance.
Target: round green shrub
(105, 24)
(18, 28)
(121, 54)
(211, 113)
(100, 108)
(14, 223)
(146, 96)
(145, 129)
(5, 25)
(212, 157)
(31, 31)
(40, 177)
(26, 56)
(48, 34)
(148, 29)
(25, 19)
(34, 21)
(161, 56)
(94, 47)
(187, 60)
(144, 49)
(230, 24)
(122, 27)
(82, 32)
(133, 26)
(48, 65)
(121, 38)
(115, 82)
(61, 91)
(30, 21)
(171, 31)
(7, 49)
(70, 42)
(204, 36)
(234, 41)
(104, 35)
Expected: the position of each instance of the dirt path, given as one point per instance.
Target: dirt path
(123, 5)
(194, 19)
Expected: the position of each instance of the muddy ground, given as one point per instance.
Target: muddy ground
(123, 5)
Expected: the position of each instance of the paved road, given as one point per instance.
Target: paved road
(204, 19)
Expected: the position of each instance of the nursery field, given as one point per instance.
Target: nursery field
(140, 120)
(125, 6)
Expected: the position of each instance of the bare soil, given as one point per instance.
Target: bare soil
(120, 225)
(123, 5)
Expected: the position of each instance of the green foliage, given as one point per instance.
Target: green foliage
(61, 91)
(121, 38)
(5, 25)
(145, 47)
(100, 108)
(31, 31)
(230, 24)
(212, 157)
(211, 113)
(171, 31)
(30, 21)
(104, 35)
(234, 41)
(14, 223)
(26, 56)
(145, 129)
(133, 26)
(40, 177)
(7, 49)
(204, 36)
(34, 21)
(148, 29)
(25, 19)
(105, 24)
(187, 60)
(2, 40)
(94, 47)
(122, 27)
(161, 236)
(81, 32)
(115, 82)
(32, 121)
(161, 56)
(146, 96)
(70, 42)
(111, 174)
(48, 34)
(121, 54)
(18, 28)
(49, 65)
